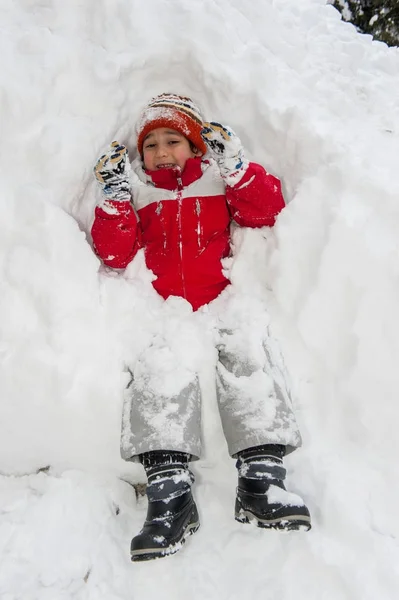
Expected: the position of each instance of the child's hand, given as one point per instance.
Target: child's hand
(226, 148)
(112, 172)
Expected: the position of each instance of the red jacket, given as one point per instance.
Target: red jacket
(182, 221)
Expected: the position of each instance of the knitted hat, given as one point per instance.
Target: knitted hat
(176, 112)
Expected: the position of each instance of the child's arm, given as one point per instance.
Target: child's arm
(254, 196)
(115, 231)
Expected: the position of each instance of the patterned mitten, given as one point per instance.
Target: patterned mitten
(112, 173)
(226, 148)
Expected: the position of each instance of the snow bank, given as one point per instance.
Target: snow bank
(316, 103)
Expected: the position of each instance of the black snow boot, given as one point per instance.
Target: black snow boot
(172, 514)
(261, 495)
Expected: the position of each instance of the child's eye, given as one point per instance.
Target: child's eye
(147, 146)
(173, 142)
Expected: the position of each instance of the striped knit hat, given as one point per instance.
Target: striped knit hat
(176, 112)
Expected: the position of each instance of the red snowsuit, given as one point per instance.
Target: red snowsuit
(182, 220)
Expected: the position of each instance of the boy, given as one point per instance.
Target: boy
(192, 179)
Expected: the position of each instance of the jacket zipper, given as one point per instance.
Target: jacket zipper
(179, 204)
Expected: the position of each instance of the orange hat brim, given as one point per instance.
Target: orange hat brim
(182, 123)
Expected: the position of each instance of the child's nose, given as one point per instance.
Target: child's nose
(162, 150)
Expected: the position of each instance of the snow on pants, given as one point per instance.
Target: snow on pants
(163, 402)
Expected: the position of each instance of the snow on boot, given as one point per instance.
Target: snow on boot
(261, 495)
(172, 515)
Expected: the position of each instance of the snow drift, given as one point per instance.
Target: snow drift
(316, 104)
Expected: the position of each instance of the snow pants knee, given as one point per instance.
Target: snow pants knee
(253, 392)
(163, 404)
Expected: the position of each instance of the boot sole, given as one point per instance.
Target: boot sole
(287, 523)
(153, 553)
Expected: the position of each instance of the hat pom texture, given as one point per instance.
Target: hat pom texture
(177, 112)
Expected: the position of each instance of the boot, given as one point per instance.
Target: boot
(172, 515)
(261, 495)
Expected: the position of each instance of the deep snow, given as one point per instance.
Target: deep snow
(316, 103)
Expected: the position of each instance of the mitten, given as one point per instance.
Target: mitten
(226, 148)
(112, 173)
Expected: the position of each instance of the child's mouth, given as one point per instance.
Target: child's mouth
(165, 166)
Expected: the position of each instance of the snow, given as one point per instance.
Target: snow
(314, 102)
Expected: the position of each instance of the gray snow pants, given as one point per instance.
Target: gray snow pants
(163, 404)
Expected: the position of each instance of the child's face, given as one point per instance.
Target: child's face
(164, 148)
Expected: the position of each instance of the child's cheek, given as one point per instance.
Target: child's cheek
(146, 160)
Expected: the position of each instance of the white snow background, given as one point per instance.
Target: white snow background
(317, 104)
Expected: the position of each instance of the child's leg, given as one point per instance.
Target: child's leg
(161, 428)
(162, 406)
(260, 428)
(172, 514)
(253, 391)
